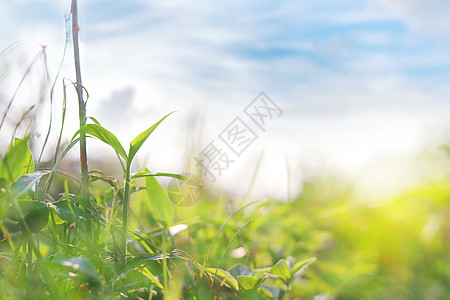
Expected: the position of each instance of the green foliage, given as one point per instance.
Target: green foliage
(247, 283)
(138, 141)
(103, 135)
(65, 210)
(325, 244)
(17, 161)
(158, 202)
(32, 214)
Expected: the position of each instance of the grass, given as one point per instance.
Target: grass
(122, 238)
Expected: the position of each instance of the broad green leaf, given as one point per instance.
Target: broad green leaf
(104, 135)
(25, 183)
(81, 266)
(224, 277)
(36, 220)
(17, 161)
(68, 212)
(137, 142)
(251, 295)
(35, 214)
(23, 208)
(239, 270)
(159, 202)
(247, 283)
(281, 270)
(28, 163)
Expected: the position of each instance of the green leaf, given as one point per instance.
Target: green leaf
(281, 270)
(225, 277)
(17, 161)
(78, 199)
(81, 266)
(68, 212)
(26, 182)
(260, 272)
(36, 220)
(159, 202)
(33, 213)
(300, 268)
(54, 216)
(251, 295)
(104, 135)
(247, 283)
(137, 142)
(28, 162)
(240, 269)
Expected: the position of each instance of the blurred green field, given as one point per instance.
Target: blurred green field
(326, 243)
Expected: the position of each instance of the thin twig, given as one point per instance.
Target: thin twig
(82, 115)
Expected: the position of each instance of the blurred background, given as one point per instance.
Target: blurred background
(363, 85)
(355, 154)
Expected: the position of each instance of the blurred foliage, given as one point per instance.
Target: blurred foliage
(327, 243)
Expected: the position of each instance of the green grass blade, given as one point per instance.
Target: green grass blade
(300, 268)
(55, 166)
(163, 174)
(225, 277)
(226, 222)
(228, 246)
(104, 135)
(137, 142)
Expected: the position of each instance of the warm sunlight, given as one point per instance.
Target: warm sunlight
(224, 150)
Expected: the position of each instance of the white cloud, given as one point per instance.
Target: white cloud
(346, 69)
(428, 17)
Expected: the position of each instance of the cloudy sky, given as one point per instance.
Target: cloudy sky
(359, 82)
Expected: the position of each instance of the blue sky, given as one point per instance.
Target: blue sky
(358, 81)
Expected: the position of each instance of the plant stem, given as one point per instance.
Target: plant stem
(82, 117)
(126, 199)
